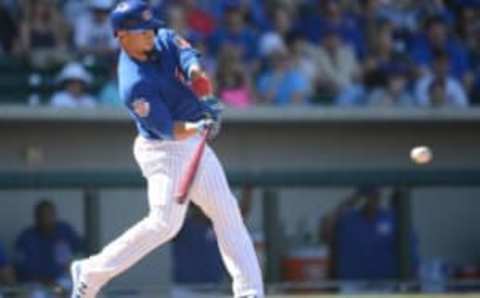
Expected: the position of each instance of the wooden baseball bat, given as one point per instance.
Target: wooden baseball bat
(191, 170)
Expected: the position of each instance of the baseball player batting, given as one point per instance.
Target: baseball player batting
(164, 88)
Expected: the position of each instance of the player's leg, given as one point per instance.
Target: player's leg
(164, 220)
(212, 193)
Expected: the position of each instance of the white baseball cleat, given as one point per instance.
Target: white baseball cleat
(80, 288)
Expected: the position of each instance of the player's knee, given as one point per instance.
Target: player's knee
(160, 224)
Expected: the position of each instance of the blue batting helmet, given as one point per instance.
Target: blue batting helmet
(134, 15)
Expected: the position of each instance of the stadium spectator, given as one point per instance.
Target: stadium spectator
(43, 34)
(93, 31)
(7, 276)
(468, 29)
(435, 8)
(282, 83)
(73, 10)
(437, 38)
(401, 14)
(440, 88)
(233, 83)
(199, 20)
(44, 251)
(8, 30)
(362, 236)
(303, 57)
(282, 26)
(237, 32)
(395, 92)
(328, 14)
(337, 67)
(74, 81)
(383, 56)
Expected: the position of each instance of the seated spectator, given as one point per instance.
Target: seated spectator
(395, 92)
(43, 34)
(283, 84)
(401, 14)
(362, 235)
(73, 10)
(337, 67)
(7, 275)
(237, 32)
(383, 56)
(44, 251)
(440, 83)
(303, 56)
(8, 30)
(282, 26)
(233, 84)
(327, 14)
(74, 81)
(437, 38)
(198, 19)
(436, 8)
(93, 31)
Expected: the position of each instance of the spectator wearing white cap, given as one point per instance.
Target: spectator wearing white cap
(93, 31)
(73, 81)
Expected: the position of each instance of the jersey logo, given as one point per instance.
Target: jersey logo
(182, 43)
(141, 107)
(122, 7)
(147, 15)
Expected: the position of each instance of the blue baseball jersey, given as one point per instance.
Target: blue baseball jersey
(368, 248)
(40, 257)
(156, 91)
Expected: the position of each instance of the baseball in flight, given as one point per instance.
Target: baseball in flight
(421, 154)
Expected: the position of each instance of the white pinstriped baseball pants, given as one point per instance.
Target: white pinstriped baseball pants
(162, 163)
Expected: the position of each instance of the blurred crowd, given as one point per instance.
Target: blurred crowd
(267, 52)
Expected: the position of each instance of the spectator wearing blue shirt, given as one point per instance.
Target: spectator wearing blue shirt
(440, 89)
(437, 38)
(7, 276)
(283, 84)
(363, 240)
(44, 251)
(329, 14)
(236, 32)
